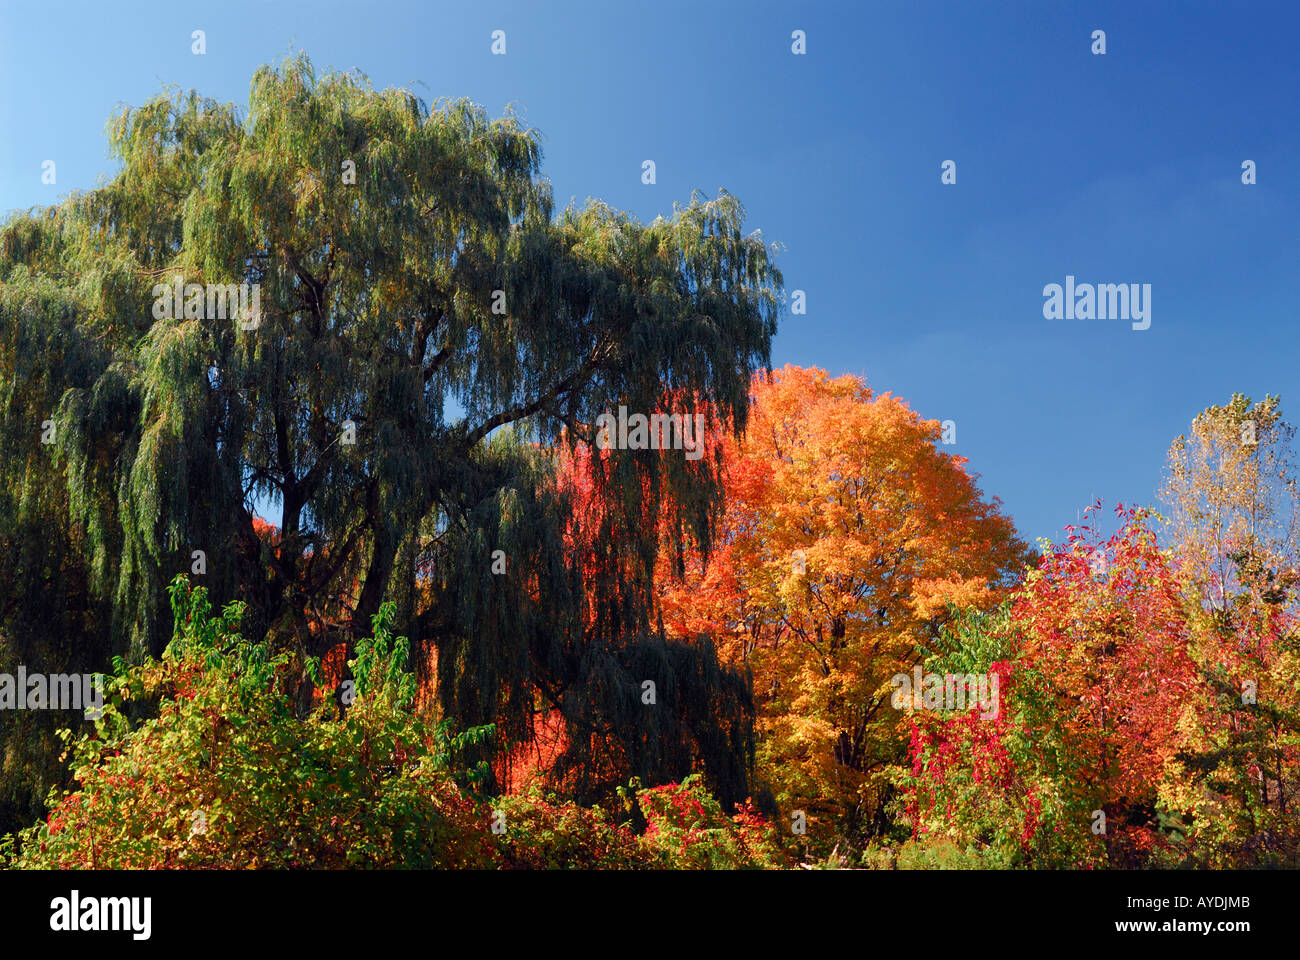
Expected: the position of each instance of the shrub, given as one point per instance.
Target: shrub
(222, 772)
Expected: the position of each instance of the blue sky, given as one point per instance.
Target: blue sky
(1122, 168)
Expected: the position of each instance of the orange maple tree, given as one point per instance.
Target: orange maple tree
(847, 534)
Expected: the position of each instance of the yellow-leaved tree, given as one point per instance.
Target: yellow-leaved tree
(1233, 491)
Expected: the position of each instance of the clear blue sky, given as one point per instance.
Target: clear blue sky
(1115, 169)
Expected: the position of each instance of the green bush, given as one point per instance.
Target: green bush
(222, 772)
(542, 832)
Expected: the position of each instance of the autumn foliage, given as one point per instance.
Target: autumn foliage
(848, 533)
(1140, 705)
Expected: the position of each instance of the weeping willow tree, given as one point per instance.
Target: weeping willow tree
(428, 330)
(51, 619)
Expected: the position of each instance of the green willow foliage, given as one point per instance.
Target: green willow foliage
(376, 307)
(50, 615)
